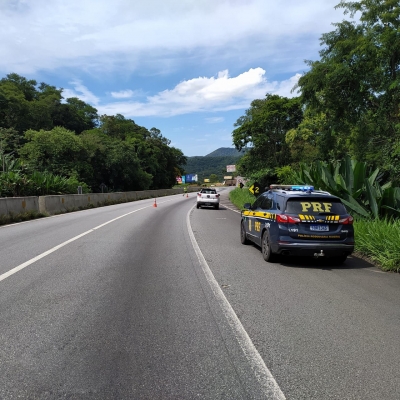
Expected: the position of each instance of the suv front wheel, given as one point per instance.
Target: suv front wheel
(243, 238)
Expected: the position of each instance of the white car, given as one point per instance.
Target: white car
(208, 197)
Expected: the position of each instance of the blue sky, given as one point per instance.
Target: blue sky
(189, 68)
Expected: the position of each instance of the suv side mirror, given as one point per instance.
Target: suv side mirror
(247, 206)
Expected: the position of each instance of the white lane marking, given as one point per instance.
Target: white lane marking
(268, 383)
(46, 253)
(229, 208)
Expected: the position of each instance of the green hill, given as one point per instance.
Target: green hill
(226, 152)
(213, 163)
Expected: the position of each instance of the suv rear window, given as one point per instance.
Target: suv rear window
(315, 206)
(209, 191)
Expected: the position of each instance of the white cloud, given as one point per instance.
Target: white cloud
(215, 120)
(220, 93)
(122, 94)
(82, 92)
(98, 36)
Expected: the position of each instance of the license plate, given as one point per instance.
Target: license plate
(319, 228)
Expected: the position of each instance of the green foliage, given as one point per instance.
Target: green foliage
(264, 126)
(379, 240)
(213, 178)
(75, 115)
(58, 151)
(9, 141)
(350, 98)
(356, 85)
(67, 139)
(18, 181)
(227, 152)
(286, 175)
(263, 177)
(241, 196)
(306, 140)
(26, 105)
(360, 188)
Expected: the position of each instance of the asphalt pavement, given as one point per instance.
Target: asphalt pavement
(324, 332)
(134, 301)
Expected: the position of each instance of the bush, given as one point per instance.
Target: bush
(241, 196)
(286, 175)
(379, 240)
(264, 177)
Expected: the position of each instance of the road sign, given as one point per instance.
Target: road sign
(255, 189)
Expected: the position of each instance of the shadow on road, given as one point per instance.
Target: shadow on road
(352, 262)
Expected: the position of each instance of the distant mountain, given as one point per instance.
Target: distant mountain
(226, 152)
(213, 163)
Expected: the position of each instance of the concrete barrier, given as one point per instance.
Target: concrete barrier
(62, 203)
(18, 205)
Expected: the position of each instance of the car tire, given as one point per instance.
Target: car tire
(266, 247)
(198, 205)
(243, 238)
(216, 206)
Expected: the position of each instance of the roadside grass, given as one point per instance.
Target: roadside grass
(25, 216)
(376, 239)
(379, 239)
(241, 196)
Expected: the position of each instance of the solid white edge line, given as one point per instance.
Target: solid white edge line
(268, 383)
(46, 253)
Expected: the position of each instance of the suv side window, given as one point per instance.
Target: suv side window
(279, 202)
(258, 202)
(267, 203)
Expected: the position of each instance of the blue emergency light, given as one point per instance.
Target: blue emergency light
(303, 188)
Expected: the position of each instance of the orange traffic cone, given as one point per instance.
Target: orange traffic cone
(155, 203)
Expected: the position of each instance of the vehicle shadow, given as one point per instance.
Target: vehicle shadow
(221, 208)
(352, 262)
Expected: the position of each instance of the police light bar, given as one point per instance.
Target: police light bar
(302, 188)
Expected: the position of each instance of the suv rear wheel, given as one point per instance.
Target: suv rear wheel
(266, 247)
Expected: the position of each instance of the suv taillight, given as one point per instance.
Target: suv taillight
(287, 219)
(347, 221)
(217, 195)
(199, 194)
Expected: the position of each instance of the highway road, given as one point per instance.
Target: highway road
(133, 301)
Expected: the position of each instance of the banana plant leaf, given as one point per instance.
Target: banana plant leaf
(356, 207)
(371, 195)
